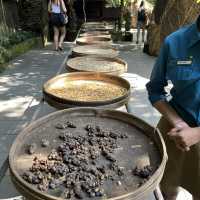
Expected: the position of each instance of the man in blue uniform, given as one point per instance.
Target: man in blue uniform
(179, 62)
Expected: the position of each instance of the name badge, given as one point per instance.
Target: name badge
(184, 62)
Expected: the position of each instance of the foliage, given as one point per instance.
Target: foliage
(153, 2)
(117, 3)
(127, 19)
(72, 18)
(8, 41)
(13, 38)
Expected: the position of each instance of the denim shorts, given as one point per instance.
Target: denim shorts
(140, 24)
(56, 20)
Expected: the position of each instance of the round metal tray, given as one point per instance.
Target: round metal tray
(93, 24)
(95, 50)
(93, 40)
(142, 139)
(95, 33)
(114, 66)
(92, 83)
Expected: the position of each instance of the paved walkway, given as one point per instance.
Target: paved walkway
(20, 94)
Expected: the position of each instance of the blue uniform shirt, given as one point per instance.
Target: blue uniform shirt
(179, 62)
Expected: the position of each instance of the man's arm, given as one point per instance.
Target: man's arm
(169, 113)
(177, 123)
(157, 96)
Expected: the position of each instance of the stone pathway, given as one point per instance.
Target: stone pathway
(21, 93)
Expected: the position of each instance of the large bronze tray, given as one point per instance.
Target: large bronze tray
(93, 24)
(115, 66)
(86, 89)
(95, 33)
(95, 50)
(142, 139)
(93, 40)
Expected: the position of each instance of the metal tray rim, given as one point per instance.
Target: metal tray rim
(86, 74)
(116, 59)
(149, 185)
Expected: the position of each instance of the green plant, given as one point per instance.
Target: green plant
(13, 38)
(117, 3)
(127, 19)
(3, 53)
(153, 2)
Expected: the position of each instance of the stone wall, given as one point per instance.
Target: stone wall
(170, 17)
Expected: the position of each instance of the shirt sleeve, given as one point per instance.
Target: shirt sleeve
(155, 87)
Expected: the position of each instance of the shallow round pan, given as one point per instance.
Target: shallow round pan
(86, 89)
(115, 66)
(95, 33)
(142, 139)
(93, 40)
(95, 50)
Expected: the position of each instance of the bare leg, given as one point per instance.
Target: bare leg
(143, 33)
(138, 32)
(62, 36)
(56, 35)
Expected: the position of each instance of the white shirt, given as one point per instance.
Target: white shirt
(55, 8)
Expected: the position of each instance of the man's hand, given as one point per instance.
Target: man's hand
(185, 136)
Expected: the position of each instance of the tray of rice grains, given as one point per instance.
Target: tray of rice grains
(95, 33)
(87, 153)
(115, 66)
(87, 40)
(97, 50)
(86, 89)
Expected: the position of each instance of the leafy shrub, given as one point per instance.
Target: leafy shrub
(14, 38)
(127, 19)
(3, 53)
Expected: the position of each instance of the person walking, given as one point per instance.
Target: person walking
(141, 21)
(179, 62)
(57, 11)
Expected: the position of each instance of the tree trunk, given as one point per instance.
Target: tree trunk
(172, 16)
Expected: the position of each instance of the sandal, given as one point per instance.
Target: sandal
(60, 48)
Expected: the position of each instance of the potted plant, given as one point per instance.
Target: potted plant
(128, 36)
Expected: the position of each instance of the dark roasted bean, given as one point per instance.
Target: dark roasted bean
(60, 126)
(32, 148)
(70, 124)
(145, 172)
(45, 143)
(75, 161)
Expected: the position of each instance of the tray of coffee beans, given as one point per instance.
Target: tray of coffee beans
(87, 153)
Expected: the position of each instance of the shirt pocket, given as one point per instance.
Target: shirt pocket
(180, 72)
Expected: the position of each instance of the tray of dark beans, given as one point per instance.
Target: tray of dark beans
(87, 153)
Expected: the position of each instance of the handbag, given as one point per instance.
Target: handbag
(63, 18)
